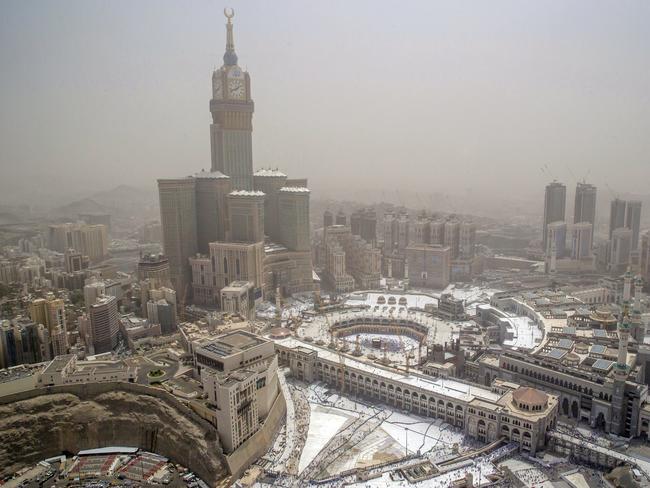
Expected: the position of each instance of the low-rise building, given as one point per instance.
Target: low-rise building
(64, 370)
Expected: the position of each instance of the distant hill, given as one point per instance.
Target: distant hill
(122, 202)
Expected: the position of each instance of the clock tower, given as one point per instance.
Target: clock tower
(232, 114)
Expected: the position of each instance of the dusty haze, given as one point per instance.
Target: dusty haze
(469, 98)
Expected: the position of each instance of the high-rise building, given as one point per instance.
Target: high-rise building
(554, 207)
(89, 240)
(429, 266)
(616, 215)
(350, 262)
(584, 209)
(246, 216)
(452, 237)
(420, 230)
(581, 242)
(620, 250)
(227, 262)
(633, 221)
(341, 218)
(212, 190)
(93, 289)
(22, 341)
(328, 218)
(437, 233)
(155, 268)
(48, 311)
(104, 324)
(161, 309)
(467, 240)
(232, 115)
(556, 239)
(270, 182)
(238, 371)
(74, 261)
(178, 219)
(644, 258)
(363, 223)
(293, 204)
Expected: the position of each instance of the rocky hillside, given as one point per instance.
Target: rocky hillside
(37, 428)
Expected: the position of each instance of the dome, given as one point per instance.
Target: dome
(280, 332)
(230, 58)
(526, 398)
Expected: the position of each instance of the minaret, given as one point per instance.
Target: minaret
(627, 286)
(638, 290)
(553, 257)
(278, 305)
(623, 338)
(620, 376)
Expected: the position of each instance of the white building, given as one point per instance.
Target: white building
(238, 371)
(65, 370)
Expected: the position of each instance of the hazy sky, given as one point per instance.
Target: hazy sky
(423, 96)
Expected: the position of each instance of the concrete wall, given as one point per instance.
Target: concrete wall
(257, 445)
(42, 423)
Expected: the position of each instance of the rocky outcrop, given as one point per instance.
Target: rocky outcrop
(42, 423)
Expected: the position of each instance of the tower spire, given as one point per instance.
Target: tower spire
(229, 57)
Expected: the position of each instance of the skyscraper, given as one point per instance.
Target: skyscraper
(644, 259)
(585, 205)
(633, 221)
(246, 216)
(554, 207)
(104, 324)
(178, 219)
(293, 203)
(211, 208)
(581, 243)
(620, 249)
(616, 215)
(232, 114)
(270, 182)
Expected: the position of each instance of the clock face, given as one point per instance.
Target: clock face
(236, 89)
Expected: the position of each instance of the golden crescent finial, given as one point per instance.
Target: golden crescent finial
(229, 13)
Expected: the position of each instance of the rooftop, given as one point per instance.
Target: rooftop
(294, 189)
(232, 342)
(246, 193)
(269, 172)
(442, 386)
(213, 175)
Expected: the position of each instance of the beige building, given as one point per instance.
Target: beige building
(66, 370)
(212, 189)
(246, 216)
(239, 298)
(155, 269)
(428, 266)
(227, 262)
(644, 260)
(89, 240)
(349, 261)
(521, 415)
(178, 220)
(293, 206)
(270, 181)
(231, 129)
(104, 324)
(238, 371)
